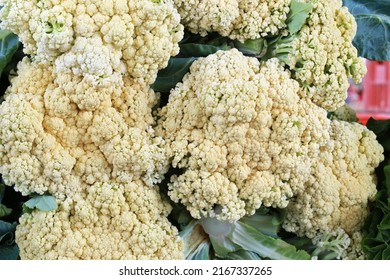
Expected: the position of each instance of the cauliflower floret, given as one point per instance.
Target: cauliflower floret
(136, 154)
(344, 113)
(236, 19)
(244, 138)
(207, 195)
(342, 183)
(97, 39)
(202, 17)
(54, 33)
(104, 224)
(90, 58)
(50, 143)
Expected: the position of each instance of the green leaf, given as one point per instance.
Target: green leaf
(9, 252)
(42, 202)
(296, 18)
(179, 65)
(373, 27)
(7, 238)
(9, 44)
(386, 170)
(218, 232)
(262, 223)
(5, 228)
(379, 127)
(222, 245)
(385, 223)
(199, 50)
(202, 252)
(4, 210)
(243, 255)
(172, 74)
(256, 47)
(2, 191)
(193, 236)
(386, 253)
(252, 240)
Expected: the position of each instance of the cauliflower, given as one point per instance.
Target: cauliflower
(236, 19)
(321, 55)
(60, 135)
(344, 113)
(80, 121)
(241, 134)
(97, 38)
(110, 221)
(341, 185)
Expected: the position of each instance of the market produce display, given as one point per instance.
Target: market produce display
(169, 129)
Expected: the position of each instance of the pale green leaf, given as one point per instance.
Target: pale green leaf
(202, 252)
(296, 18)
(268, 247)
(42, 202)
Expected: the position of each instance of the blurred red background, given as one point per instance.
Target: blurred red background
(371, 98)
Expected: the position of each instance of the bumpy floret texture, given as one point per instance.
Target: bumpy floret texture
(59, 134)
(99, 37)
(109, 221)
(241, 134)
(323, 57)
(344, 113)
(342, 183)
(237, 19)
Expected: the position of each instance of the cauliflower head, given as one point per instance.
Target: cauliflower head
(341, 185)
(109, 221)
(323, 58)
(241, 135)
(97, 38)
(236, 19)
(59, 134)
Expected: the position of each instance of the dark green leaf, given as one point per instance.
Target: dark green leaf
(302, 243)
(9, 44)
(2, 191)
(6, 227)
(172, 74)
(385, 143)
(179, 65)
(296, 18)
(373, 27)
(384, 234)
(256, 47)
(4, 210)
(379, 127)
(7, 238)
(386, 253)
(378, 256)
(373, 245)
(9, 252)
(386, 170)
(252, 240)
(199, 50)
(42, 202)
